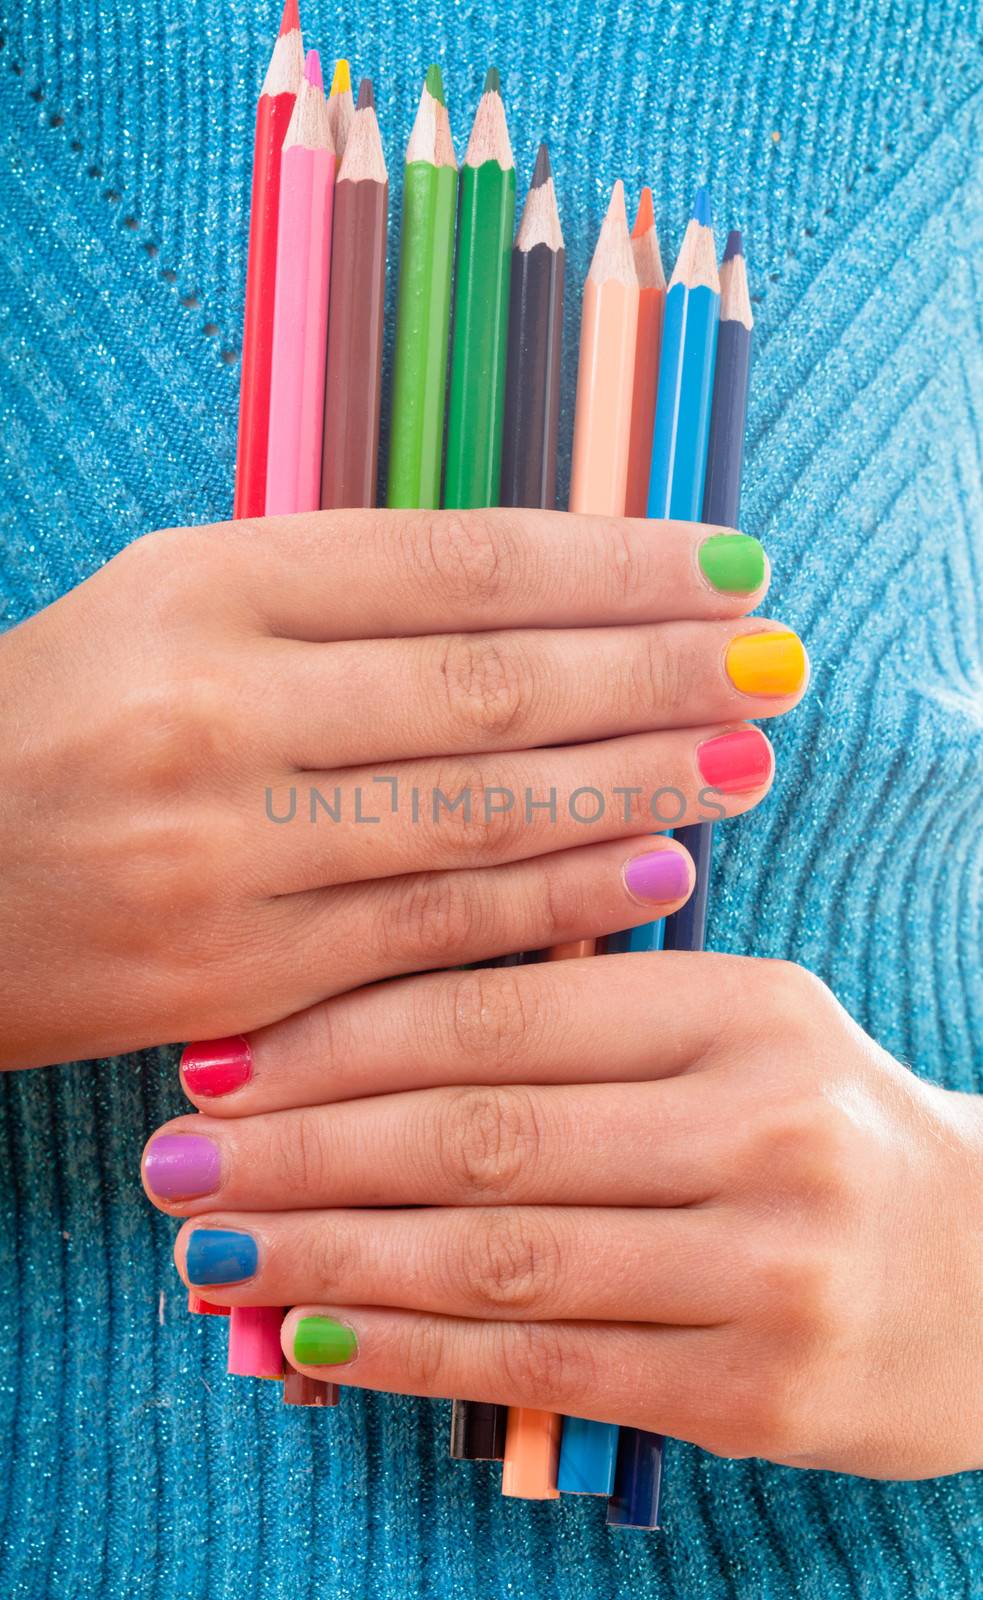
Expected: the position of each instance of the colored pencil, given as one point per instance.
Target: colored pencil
(682, 417)
(341, 107)
(679, 461)
(532, 378)
(353, 379)
(686, 928)
(273, 113)
(416, 432)
(532, 402)
(205, 1308)
(300, 314)
(651, 306)
(602, 433)
(473, 470)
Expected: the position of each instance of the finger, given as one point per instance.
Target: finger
(344, 827)
(590, 1144)
(454, 694)
(387, 574)
(657, 1378)
(551, 1022)
(534, 1263)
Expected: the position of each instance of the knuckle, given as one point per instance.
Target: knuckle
(632, 559)
(564, 898)
(813, 1156)
(297, 1152)
(431, 917)
(511, 1262)
(472, 555)
(489, 1017)
(657, 677)
(331, 1261)
(178, 730)
(474, 820)
(422, 1359)
(485, 1139)
(486, 684)
(546, 1364)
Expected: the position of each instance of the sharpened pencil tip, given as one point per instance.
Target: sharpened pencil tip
(701, 207)
(493, 83)
(290, 19)
(735, 244)
(342, 81)
(312, 69)
(645, 215)
(542, 171)
(616, 205)
(366, 95)
(434, 84)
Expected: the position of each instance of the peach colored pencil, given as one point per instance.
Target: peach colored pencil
(648, 346)
(605, 385)
(300, 310)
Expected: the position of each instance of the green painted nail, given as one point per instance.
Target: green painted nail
(733, 562)
(323, 1342)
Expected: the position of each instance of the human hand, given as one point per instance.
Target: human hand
(167, 709)
(685, 1193)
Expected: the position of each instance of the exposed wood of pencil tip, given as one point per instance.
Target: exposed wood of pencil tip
(541, 217)
(735, 297)
(613, 259)
(489, 139)
(363, 160)
(286, 69)
(341, 106)
(696, 264)
(645, 245)
(309, 126)
(430, 137)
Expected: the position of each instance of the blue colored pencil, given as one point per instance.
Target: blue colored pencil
(676, 486)
(686, 928)
(682, 416)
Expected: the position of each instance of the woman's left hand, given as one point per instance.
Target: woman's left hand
(685, 1193)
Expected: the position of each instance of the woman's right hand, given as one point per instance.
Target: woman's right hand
(230, 758)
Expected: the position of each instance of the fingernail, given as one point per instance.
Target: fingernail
(219, 1255)
(217, 1066)
(734, 563)
(657, 876)
(735, 762)
(766, 663)
(323, 1342)
(182, 1166)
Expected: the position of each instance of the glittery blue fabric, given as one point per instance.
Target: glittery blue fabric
(846, 140)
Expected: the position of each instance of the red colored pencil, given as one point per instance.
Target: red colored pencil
(276, 103)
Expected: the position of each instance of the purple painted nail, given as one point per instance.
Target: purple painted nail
(182, 1166)
(657, 876)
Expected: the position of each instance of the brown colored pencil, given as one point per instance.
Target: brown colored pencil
(353, 378)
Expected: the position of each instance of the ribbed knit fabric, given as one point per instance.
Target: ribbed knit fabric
(846, 140)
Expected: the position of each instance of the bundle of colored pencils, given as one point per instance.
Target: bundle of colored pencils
(659, 431)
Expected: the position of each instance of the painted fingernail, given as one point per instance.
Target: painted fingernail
(182, 1166)
(767, 663)
(323, 1342)
(220, 1255)
(735, 762)
(657, 876)
(734, 563)
(217, 1066)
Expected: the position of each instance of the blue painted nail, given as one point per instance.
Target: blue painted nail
(219, 1255)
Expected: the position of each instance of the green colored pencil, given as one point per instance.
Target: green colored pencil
(426, 262)
(481, 308)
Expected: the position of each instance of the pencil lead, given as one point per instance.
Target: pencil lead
(734, 246)
(701, 207)
(645, 215)
(434, 84)
(493, 84)
(542, 171)
(342, 81)
(291, 17)
(366, 96)
(312, 69)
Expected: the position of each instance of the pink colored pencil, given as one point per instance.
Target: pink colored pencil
(300, 311)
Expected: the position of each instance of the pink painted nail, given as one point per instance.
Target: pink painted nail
(182, 1166)
(735, 762)
(217, 1066)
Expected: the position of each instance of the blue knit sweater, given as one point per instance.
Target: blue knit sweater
(844, 139)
